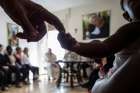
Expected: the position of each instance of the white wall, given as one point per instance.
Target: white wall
(3, 27)
(72, 18)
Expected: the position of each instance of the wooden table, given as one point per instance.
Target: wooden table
(71, 71)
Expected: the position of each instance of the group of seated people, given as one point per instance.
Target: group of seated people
(15, 67)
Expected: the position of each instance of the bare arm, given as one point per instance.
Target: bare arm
(125, 36)
(54, 20)
(21, 11)
(43, 14)
(18, 13)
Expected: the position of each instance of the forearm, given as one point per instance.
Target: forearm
(43, 14)
(53, 20)
(17, 13)
(92, 49)
(115, 43)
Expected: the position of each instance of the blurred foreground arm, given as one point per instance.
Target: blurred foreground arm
(31, 17)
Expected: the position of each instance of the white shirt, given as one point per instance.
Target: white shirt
(25, 59)
(96, 31)
(50, 57)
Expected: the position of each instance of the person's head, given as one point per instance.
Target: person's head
(49, 50)
(18, 50)
(9, 50)
(131, 9)
(93, 19)
(97, 21)
(26, 50)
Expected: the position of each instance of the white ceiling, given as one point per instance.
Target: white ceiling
(56, 5)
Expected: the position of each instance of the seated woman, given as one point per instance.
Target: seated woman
(24, 69)
(125, 43)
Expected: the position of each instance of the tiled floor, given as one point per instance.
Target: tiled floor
(45, 87)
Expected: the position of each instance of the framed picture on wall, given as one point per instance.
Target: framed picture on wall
(12, 31)
(96, 25)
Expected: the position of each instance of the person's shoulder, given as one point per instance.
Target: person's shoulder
(53, 54)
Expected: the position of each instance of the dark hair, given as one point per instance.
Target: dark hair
(25, 49)
(135, 7)
(121, 3)
(9, 50)
(18, 48)
(0, 45)
(8, 47)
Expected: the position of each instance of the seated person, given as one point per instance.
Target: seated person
(4, 71)
(24, 69)
(10, 59)
(25, 61)
(100, 70)
(50, 59)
